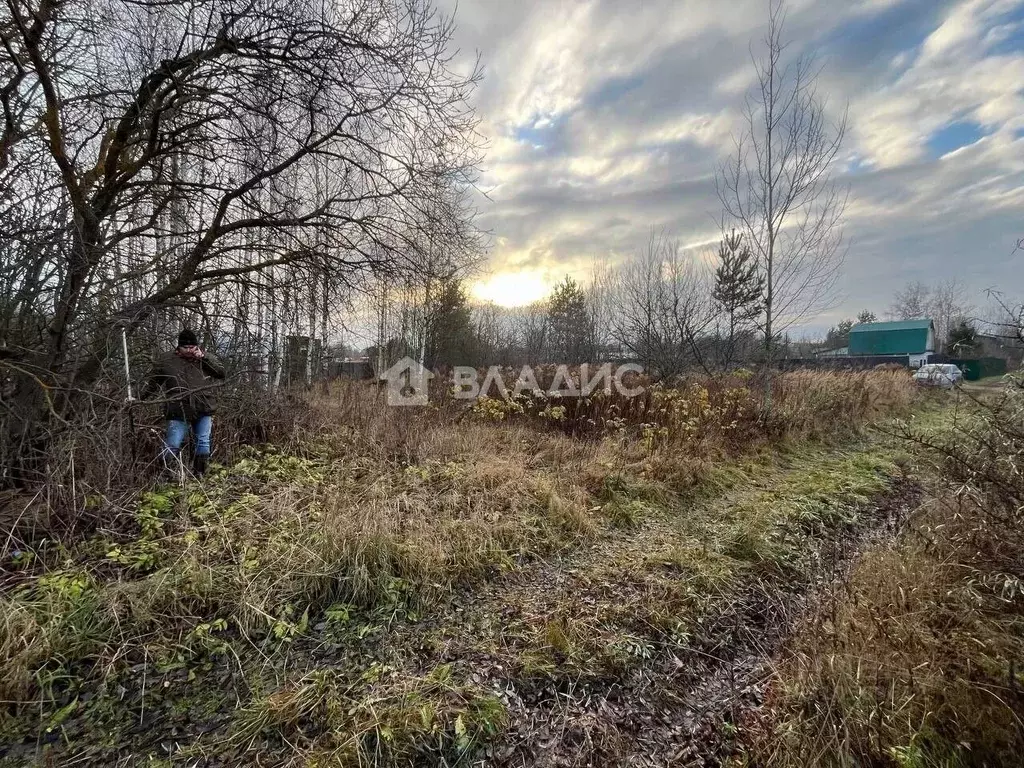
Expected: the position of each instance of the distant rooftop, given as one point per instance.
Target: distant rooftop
(895, 325)
(900, 337)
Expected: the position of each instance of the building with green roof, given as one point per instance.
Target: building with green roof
(914, 339)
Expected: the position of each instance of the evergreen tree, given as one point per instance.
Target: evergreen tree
(867, 316)
(570, 327)
(739, 289)
(963, 338)
(450, 339)
(839, 335)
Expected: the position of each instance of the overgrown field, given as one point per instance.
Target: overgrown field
(515, 582)
(914, 657)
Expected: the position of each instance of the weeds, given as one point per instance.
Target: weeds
(915, 659)
(375, 718)
(721, 414)
(913, 663)
(376, 517)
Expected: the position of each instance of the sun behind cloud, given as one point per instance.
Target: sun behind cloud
(513, 289)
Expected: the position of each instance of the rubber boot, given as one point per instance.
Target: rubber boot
(199, 462)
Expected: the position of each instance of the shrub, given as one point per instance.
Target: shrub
(724, 413)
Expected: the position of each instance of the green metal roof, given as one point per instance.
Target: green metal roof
(902, 337)
(895, 325)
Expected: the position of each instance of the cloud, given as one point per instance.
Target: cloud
(954, 78)
(608, 118)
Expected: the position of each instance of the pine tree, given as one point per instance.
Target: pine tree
(739, 289)
(570, 326)
(867, 316)
(839, 335)
(450, 338)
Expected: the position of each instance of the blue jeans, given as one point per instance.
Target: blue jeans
(177, 431)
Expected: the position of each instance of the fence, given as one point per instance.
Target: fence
(974, 368)
(853, 363)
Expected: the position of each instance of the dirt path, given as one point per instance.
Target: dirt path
(583, 652)
(646, 647)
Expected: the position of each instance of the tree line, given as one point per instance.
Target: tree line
(260, 172)
(664, 308)
(247, 170)
(257, 171)
(675, 314)
(778, 264)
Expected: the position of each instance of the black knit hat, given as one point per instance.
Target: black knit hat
(187, 338)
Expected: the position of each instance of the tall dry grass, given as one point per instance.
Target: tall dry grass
(825, 404)
(729, 411)
(916, 659)
(359, 504)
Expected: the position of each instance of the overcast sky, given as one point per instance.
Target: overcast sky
(607, 118)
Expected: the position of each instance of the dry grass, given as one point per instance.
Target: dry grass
(278, 537)
(722, 415)
(916, 660)
(376, 719)
(817, 404)
(915, 663)
(365, 507)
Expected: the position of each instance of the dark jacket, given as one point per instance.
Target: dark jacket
(188, 385)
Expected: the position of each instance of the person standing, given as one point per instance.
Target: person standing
(187, 376)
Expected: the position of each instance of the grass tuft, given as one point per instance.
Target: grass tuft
(376, 519)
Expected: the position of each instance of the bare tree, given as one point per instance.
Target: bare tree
(188, 146)
(599, 304)
(535, 333)
(239, 167)
(492, 344)
(639, 319)
(910, 302)
(945, 304)
(949, 307)
(779, 189)
(661, 308)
